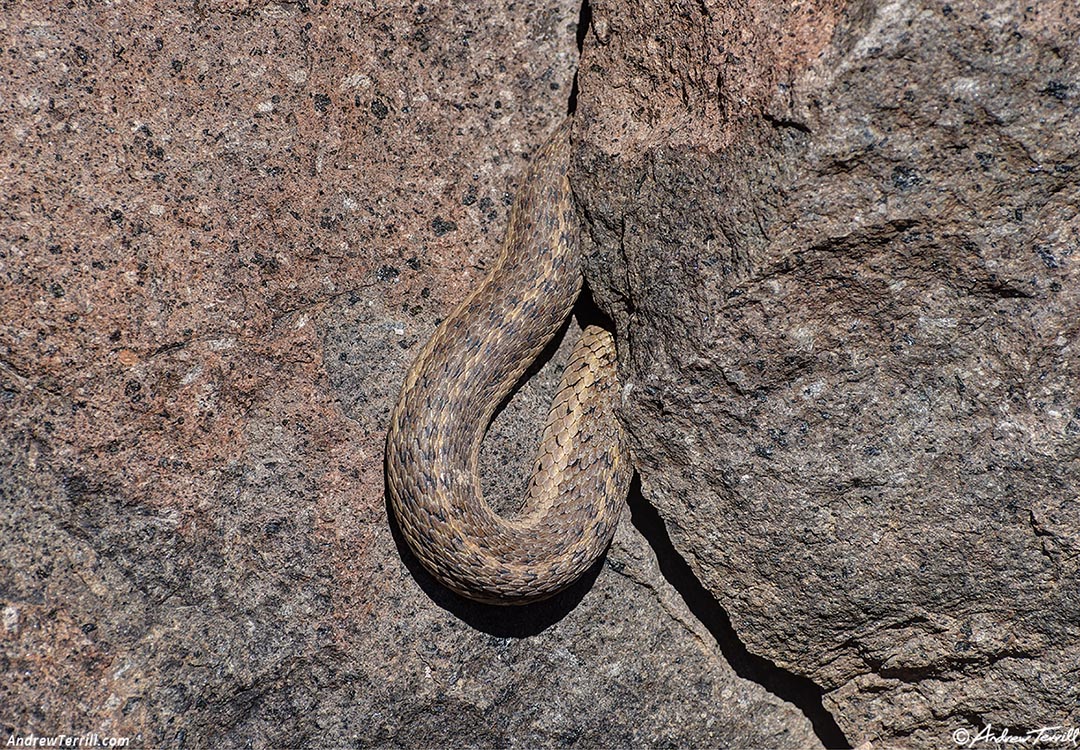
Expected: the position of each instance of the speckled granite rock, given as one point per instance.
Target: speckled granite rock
(848, 307)
(228, 227)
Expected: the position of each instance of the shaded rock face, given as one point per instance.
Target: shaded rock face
(848, 308)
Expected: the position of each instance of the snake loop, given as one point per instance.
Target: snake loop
(582, 469)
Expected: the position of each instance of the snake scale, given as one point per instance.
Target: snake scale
(472, 362)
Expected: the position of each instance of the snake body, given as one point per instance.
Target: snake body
(471, 363)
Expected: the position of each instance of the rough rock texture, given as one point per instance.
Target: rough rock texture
(228, 226)
(842, 249)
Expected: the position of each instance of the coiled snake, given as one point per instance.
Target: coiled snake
(582, 469)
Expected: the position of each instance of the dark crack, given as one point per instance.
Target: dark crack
(800, 691)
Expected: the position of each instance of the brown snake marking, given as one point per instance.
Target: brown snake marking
(582, 469)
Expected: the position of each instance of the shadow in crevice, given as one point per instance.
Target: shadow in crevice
(795, 689)
(584, 21)
(588, 313)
